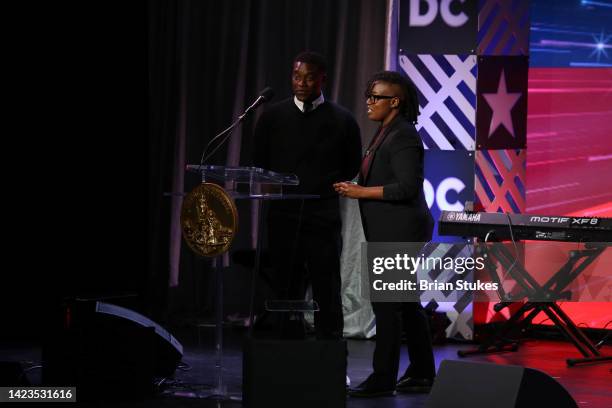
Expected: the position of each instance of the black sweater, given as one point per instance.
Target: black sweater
(321, 147)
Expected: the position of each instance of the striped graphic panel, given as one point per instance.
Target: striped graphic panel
(447, 94)
(503, 27)
(500, 180)
(458, 307)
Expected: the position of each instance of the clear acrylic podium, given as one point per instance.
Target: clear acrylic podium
(248, 182)
(242, 183)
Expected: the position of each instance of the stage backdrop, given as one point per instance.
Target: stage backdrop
(569, 160)
(469, 63)
(473, 86)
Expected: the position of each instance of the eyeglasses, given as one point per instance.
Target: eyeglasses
(375, 98)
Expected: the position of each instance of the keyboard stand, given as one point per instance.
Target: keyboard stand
(553, 289)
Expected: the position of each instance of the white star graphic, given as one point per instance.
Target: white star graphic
(501, 103)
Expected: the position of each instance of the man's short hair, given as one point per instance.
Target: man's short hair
(409, 106)
(314, 58)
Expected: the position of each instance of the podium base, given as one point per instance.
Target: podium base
(294, 373)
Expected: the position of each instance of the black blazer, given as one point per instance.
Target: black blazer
(397, 165)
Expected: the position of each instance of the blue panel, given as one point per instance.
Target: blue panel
(450, 174)
(573, 26)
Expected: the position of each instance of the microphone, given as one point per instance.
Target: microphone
(264, 96)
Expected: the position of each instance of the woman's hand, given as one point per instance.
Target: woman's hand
(349, 189)
(354, 190)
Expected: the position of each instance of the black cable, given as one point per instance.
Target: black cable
(500, 292)
(603, 340)
(540, 322)
(516, 252)
(25, 370)
(173, 385)
(548, 318)
(183, 366)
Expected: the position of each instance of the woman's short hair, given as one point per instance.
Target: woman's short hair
(409, 101)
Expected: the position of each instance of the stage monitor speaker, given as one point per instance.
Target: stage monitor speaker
(294, 373)
(12, 374)
(168, 350)
(462, 384)
(109, 351)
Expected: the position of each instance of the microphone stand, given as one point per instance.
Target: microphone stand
(219, 393)
(229, 130)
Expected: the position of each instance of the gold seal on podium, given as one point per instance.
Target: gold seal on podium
(209, 220)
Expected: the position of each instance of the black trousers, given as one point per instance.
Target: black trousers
(303, 252)
(390, 318)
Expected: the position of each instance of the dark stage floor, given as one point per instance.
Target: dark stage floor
(589, 384)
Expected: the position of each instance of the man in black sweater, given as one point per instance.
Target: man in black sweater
(318, 141)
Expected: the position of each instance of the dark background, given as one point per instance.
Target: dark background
(207, 61)
(120, 87)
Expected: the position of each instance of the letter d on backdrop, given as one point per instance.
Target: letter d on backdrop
(421, 20)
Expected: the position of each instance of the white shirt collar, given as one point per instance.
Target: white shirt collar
(315, 103)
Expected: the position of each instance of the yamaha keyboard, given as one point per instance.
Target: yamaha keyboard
(502, 262)
(501, 226)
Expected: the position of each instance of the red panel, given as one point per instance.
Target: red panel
(569, 155)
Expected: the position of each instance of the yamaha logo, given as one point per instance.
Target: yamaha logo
(465, 217)
(450, 216)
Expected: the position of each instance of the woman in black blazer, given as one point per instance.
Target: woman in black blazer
(393, 209)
